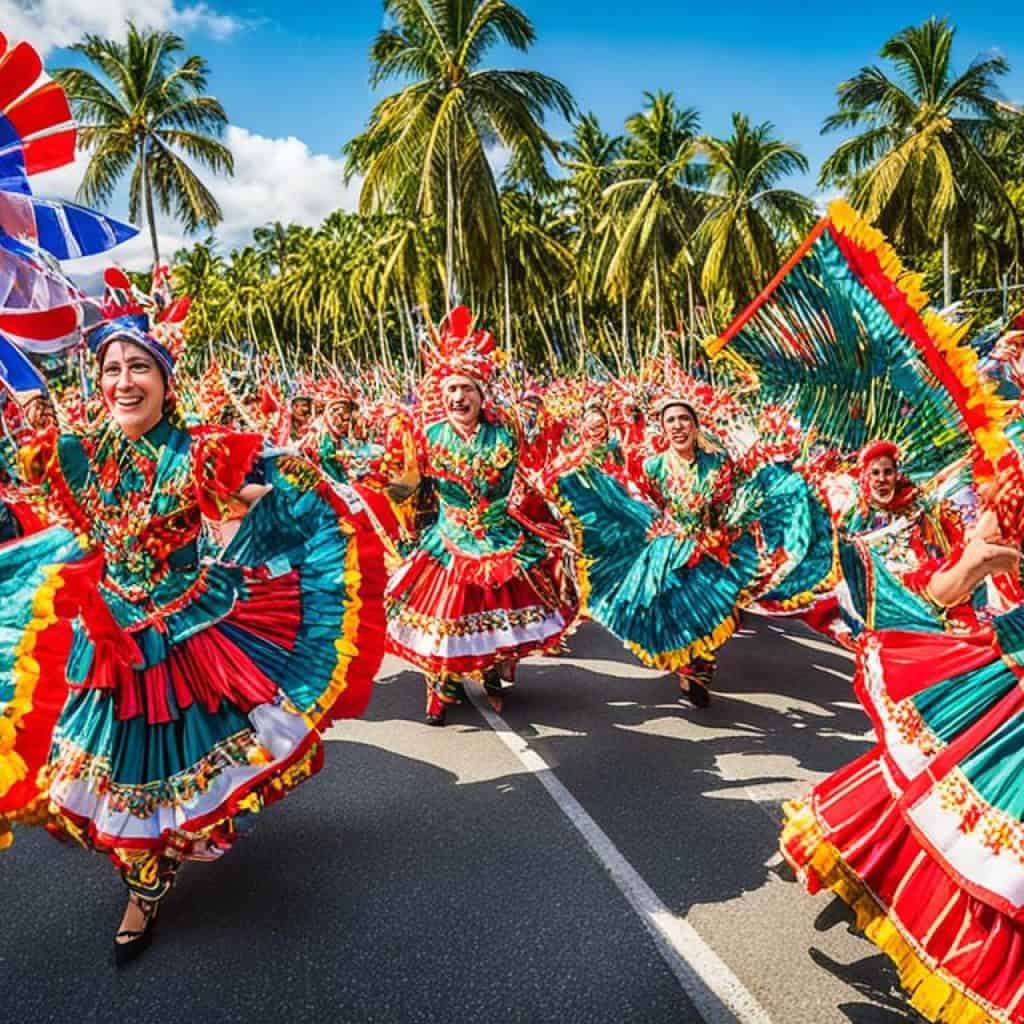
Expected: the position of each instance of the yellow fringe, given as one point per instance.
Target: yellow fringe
(828, 582)
(931, 992)
(673, 661)
(26, 676)
(344, 645)
(961, 359)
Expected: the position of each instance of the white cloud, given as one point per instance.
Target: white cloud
(275, 179)
(823, 197)
(50, 24)
(278, 179)
(203, 18)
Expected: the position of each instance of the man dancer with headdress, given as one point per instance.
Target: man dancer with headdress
(669, 574)
(492, 580)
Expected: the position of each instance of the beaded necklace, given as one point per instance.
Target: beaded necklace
(126, 480)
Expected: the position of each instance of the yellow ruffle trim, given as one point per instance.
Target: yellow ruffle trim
(673, 661)
(827, 583)
(931, 992)
(947, 338)
(344, 645)
(26, 676)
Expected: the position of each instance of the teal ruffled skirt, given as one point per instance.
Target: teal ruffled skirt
(175, 722)
(671, 602)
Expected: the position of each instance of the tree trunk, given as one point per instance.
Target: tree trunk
(508, 307)
(626, 354)
(147, 193)
(689, 302)
(403, 301)
(947, 271)
(552, 358)
(382, 338)
(449, 284)
(658, 333)
(579, 319)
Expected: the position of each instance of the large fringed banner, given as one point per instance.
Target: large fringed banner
(842, 336)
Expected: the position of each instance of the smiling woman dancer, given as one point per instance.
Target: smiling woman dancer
(669, 574)
(491, 580)
(201, 675)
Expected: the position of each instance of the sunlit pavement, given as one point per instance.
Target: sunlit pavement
(429, 875)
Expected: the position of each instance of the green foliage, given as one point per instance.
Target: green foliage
(607, 246)
(424, 153)
(147, 115)
(924, 166)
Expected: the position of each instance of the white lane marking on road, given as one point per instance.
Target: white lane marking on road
(820, 645)
(716, 993)
(834, 672)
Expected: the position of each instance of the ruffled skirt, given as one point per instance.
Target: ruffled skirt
(668, 600)
(447, 620)
(169, 732)
(924, 836)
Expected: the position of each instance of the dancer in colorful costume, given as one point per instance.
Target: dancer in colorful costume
(908, 534)
(669, 572)
(384, 474)
(923, 835)
(492, 580)
(226, 608)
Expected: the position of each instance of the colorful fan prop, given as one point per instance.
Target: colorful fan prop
(40, 309)
(64, 230)
(37, 134)
(16, 371)
(841, 336)
(36, 130)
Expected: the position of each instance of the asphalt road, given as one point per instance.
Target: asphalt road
(428, 875)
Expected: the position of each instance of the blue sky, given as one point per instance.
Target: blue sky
(302, 68)
(298, 71)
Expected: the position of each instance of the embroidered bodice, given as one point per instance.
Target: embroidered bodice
(690, 493)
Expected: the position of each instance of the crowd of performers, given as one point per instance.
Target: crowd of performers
(198, 575)
(196, 582)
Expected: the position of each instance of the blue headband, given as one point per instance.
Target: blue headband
(133, 329)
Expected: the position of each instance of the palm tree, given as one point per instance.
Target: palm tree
(654, 202)
(747, 212)
(145, 115)
(591, 158)
(919, 167)
(538, 259)
(425, 150)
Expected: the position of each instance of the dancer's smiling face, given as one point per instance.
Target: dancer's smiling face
(339, 417)
(462, 401)
(882, 479)
(133, 388)
(302, 413)
(595, 427)
(680, 428)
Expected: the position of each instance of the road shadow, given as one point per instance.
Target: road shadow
(639, 762)
(384, 890)
(672, 786)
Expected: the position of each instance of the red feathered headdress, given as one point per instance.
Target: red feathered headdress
(463, 352)
(905, 491)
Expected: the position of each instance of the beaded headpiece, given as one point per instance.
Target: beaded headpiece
(153, 322)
